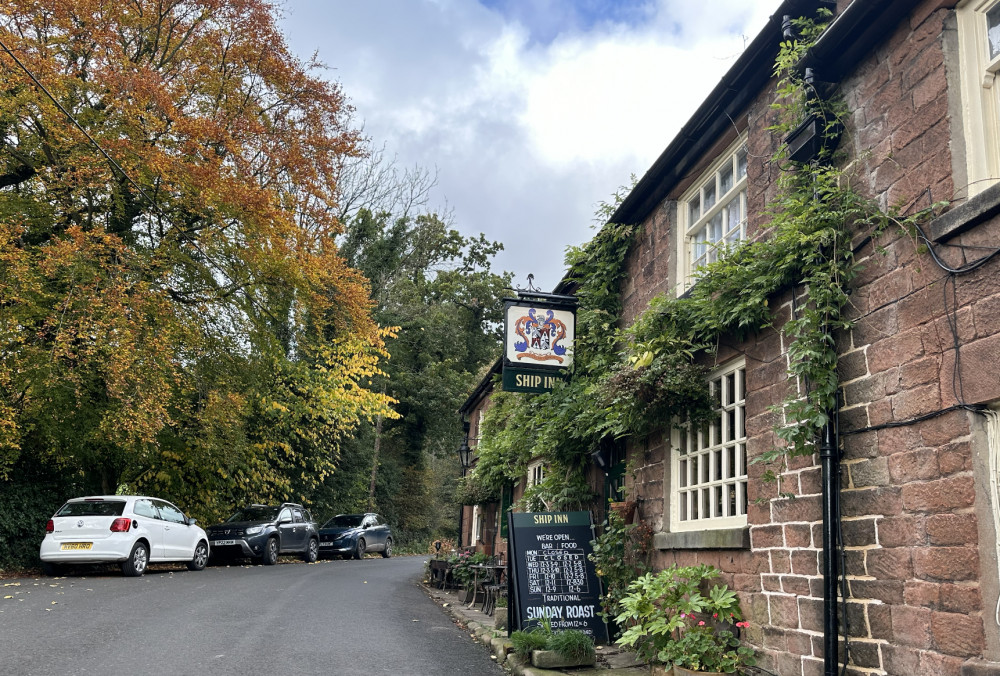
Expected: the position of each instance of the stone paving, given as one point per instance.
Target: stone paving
(611, 660)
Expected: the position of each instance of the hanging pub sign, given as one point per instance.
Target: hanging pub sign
(551, 575)
(539, 329)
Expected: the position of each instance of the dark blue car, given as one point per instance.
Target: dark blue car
(352, 535)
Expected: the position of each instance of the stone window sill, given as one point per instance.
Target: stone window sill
(976, 210)
(723, 538)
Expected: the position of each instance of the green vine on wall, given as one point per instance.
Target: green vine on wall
(563, 426)
(631, 382)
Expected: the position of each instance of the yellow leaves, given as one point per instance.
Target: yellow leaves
(642, 360)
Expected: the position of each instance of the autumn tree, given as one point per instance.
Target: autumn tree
(175, 314)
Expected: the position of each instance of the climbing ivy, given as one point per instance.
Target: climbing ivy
(565, 425)
(633, 381)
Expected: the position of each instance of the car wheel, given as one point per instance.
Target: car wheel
(51, 569)
(200, 558)
(359, 549)
(270, 552)
(387, 552)
(135, 564)
(312, 551)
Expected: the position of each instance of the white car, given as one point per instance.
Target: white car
(134, 530)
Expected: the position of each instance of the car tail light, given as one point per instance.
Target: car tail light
(121, 525)
(50, 526)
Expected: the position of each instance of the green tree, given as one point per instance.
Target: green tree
(175, 315)
(438, 288)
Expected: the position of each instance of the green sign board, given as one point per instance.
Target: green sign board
(530, 380)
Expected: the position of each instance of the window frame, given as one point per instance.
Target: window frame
(164, 508)
(721, 480)
(690, 228)
(474, 528)
(535, 473)
(980, 92)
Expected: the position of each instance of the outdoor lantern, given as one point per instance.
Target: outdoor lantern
(465, 454)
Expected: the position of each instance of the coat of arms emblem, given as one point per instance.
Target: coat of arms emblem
(538, 337)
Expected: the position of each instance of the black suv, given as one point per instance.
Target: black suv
(263, 532)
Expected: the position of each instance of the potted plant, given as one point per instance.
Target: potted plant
(672, 623)
(549, 649)
(567, 648)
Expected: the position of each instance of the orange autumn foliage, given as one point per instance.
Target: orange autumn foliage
(134, 300)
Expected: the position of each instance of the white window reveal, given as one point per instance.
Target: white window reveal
(536, 473)
(714, 212)
(475, 531)
(709, 463)
(979, 59)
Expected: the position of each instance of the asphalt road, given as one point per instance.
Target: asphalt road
(332, 617)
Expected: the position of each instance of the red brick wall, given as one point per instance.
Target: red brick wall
(917, 570)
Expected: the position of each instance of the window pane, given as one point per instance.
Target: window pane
(695, 208)
(993, 30)
(682, 472)
(168, 512)
(709, 192)
(717, 461)
(715, 229)
(726, 178)
(741, 162)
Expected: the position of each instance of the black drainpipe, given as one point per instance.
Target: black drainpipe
(829, 454)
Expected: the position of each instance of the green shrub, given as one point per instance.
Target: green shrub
(25, 505)
(533, 638)
(572, 644)
(671, 621)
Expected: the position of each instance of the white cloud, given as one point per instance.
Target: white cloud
(527, 135)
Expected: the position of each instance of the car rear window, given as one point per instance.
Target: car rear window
(93, 508)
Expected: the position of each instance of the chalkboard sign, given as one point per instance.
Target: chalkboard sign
(551, 574)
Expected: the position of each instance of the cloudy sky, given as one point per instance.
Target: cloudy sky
(531, 112)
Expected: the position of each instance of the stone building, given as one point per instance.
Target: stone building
(919, 371)
(918, 469)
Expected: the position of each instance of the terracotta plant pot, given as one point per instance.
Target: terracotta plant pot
(668, 670)
(683, 671)
(626, 509)
(550, 659)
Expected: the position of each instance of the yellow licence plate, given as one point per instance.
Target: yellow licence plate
(76, 545)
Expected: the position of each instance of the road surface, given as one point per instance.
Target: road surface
(332, 617)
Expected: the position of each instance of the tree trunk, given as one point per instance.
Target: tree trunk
(378, 442)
